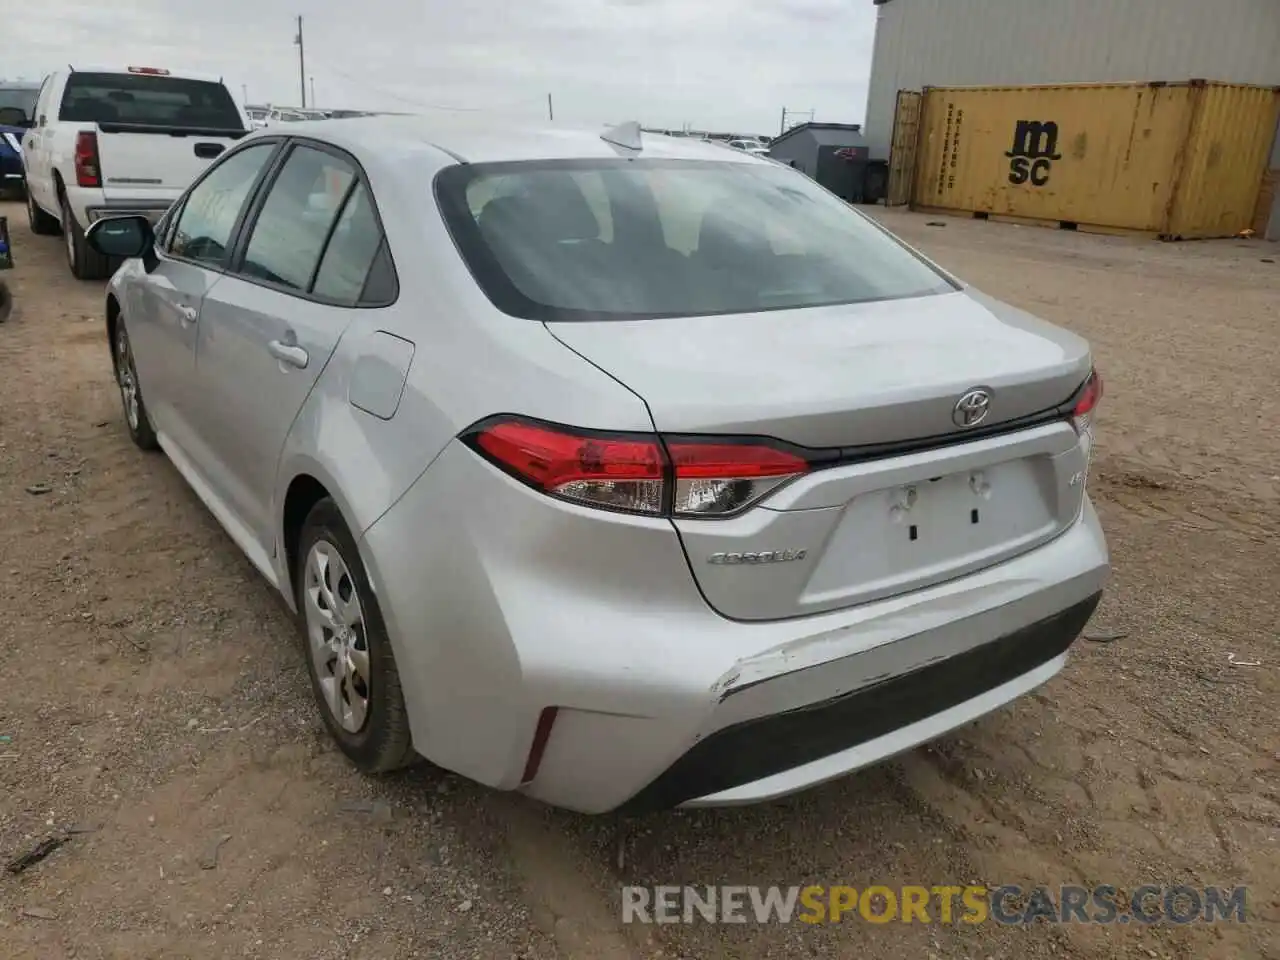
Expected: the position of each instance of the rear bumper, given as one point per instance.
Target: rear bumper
(89, 204)
(775, 755)
(501, 603)
(153, 210)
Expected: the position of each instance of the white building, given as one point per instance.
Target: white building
(943, 43)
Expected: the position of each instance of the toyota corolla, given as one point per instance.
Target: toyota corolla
(620, 470)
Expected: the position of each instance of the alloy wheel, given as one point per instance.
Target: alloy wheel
(337, 641)
(126, 377)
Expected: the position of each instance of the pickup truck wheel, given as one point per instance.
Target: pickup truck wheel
(41, 223)
(85, 262)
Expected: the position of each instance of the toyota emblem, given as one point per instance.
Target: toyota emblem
(971, 409)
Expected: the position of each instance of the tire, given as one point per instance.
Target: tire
(136, 417)
(6, 302)
(41, 223)
(85, 262)
(353, 671)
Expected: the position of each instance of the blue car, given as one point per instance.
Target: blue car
(17, 105)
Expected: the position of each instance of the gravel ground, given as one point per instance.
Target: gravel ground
(155, 698)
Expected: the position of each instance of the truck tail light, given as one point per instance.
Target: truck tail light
(88, 170)
(638, 472)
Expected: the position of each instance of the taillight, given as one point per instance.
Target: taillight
(713, 479)
(1087, 402)
(618, 472)
(88, 173)
(637, 473)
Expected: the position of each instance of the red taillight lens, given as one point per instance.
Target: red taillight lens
(88, 173)
(1087, 402)
(638, 473)
(714, 479)
(621, 473)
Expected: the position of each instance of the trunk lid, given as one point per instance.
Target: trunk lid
(911, 500)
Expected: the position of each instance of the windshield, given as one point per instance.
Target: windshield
(149, 99)
(629, 239)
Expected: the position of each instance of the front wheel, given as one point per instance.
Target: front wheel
(135, 410)
(353, 672)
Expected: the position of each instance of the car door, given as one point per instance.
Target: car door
(164, 310)
(268, 328)
(35, 155)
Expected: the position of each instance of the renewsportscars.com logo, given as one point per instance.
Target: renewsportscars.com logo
(1008, 905)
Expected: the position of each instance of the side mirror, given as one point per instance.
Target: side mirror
(130, 236)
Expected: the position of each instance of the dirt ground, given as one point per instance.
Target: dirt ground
(153, 695)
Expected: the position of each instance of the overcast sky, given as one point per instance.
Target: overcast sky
(721, 64)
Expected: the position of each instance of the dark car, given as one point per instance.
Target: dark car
(17, 110)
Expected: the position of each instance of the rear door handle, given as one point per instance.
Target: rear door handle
(188, 314)
(289, 353)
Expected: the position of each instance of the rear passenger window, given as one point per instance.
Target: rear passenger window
(351, 250)
(290, 231)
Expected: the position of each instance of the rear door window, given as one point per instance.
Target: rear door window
(289, 235)
(351, 251)
(149, 99)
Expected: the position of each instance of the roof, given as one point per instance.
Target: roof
(470, 140)
(825, 133)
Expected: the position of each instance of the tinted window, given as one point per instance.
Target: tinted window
(148, 99)
(646, 238)
(203, 228)
(351, 250)
(20, 97)
(289, 234)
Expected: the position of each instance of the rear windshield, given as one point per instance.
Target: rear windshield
(150, 100)
(630, 239)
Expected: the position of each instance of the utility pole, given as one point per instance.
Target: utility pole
(313, 93)
(302, 63)
(551, 113)
(782, 128)
(244, 90)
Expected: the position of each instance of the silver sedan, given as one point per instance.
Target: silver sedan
(622, 470)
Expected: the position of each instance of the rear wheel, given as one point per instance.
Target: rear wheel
(85, 262)
(41, 223)
(353, 672)
(135, 411)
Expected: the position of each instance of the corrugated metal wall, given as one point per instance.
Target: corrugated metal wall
(1015, 42)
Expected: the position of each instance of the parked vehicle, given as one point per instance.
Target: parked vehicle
(6, 263)
(749, 146)
(128, 140)
(623, 471)
(17, 105)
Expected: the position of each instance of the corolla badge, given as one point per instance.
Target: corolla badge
(972, 408)
(757, 557)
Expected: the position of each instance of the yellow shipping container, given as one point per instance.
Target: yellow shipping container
(1180, 160)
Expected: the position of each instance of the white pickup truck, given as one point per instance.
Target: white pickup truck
(108, 141)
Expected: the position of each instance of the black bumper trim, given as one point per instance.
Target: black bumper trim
(758, 748)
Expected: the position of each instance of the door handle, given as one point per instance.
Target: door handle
(188, 314)
(289, 353)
